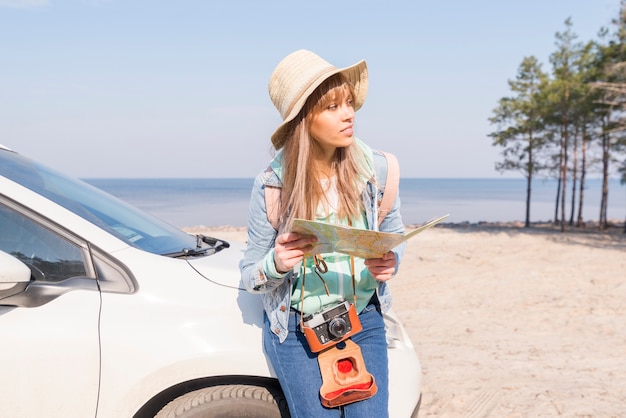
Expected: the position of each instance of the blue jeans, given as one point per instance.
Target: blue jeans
(299, 373)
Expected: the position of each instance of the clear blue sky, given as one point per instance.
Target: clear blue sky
(138, 88)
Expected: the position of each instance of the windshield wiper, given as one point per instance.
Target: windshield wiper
(215, 243)
(214, 246)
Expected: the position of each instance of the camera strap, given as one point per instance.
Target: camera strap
(320, 267)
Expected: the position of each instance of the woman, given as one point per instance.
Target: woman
(325, 174)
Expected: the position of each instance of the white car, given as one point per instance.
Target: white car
(108, 312)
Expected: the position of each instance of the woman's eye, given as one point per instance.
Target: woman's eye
(350, 102)
(332, 107)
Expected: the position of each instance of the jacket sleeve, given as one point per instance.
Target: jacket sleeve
(261, 239)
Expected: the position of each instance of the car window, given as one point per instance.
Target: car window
(50, 256)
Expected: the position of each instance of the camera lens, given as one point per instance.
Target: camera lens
(338, 327)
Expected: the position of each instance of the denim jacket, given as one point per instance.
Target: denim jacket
(276, 292)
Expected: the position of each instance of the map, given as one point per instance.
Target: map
(357, 242)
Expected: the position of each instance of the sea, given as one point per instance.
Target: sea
(218, 202)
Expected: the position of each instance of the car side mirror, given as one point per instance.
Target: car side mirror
(12, 271)
(14, 275)
(19, 285)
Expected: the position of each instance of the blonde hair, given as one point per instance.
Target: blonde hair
(302, 191)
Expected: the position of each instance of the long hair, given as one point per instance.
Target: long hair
(302, 190)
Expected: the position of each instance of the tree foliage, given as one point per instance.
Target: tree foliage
(569, 123)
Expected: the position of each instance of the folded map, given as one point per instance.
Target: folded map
(357, 242)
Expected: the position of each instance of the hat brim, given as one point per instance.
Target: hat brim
(356, 74)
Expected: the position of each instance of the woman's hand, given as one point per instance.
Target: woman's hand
(290, 249)
(382, 269)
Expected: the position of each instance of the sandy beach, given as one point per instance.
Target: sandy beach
(514, 322)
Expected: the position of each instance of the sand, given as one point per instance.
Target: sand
(514, 322)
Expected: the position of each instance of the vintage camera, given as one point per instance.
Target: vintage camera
(333, 324)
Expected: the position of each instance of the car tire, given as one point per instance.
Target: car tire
(227, 401)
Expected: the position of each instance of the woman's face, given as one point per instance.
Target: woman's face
(332, 127)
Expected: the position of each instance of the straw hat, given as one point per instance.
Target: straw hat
(298, 75)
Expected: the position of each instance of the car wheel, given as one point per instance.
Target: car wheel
(227, 401)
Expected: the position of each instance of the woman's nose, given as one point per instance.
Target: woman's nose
(348, 112)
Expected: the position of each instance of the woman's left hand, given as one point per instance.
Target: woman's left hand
(382, 269)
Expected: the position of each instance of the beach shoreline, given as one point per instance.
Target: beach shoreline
(589, 227)
(510, 321)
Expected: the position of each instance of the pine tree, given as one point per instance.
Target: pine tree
(611, 62)
(564, 95)
(519, 125)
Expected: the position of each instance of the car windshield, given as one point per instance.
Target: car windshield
(133, 226)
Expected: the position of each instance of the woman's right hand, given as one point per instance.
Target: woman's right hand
(290, 249)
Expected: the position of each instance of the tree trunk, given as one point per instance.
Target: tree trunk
(624, 180)
(558, 199)
(563, 174)
(583, 172)
(558, 185)
(565, 140)
(574, 178)
(563, 182)
(602, 221)
(624, 225)
(529, 179)
(604, 202)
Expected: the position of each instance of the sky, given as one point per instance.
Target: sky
(155, 89)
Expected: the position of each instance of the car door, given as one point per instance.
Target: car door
(48, 331)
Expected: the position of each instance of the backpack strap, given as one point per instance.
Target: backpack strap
(272, 202)
(272, 205)
(390, 191)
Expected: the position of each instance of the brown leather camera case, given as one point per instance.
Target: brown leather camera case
(342, 382)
